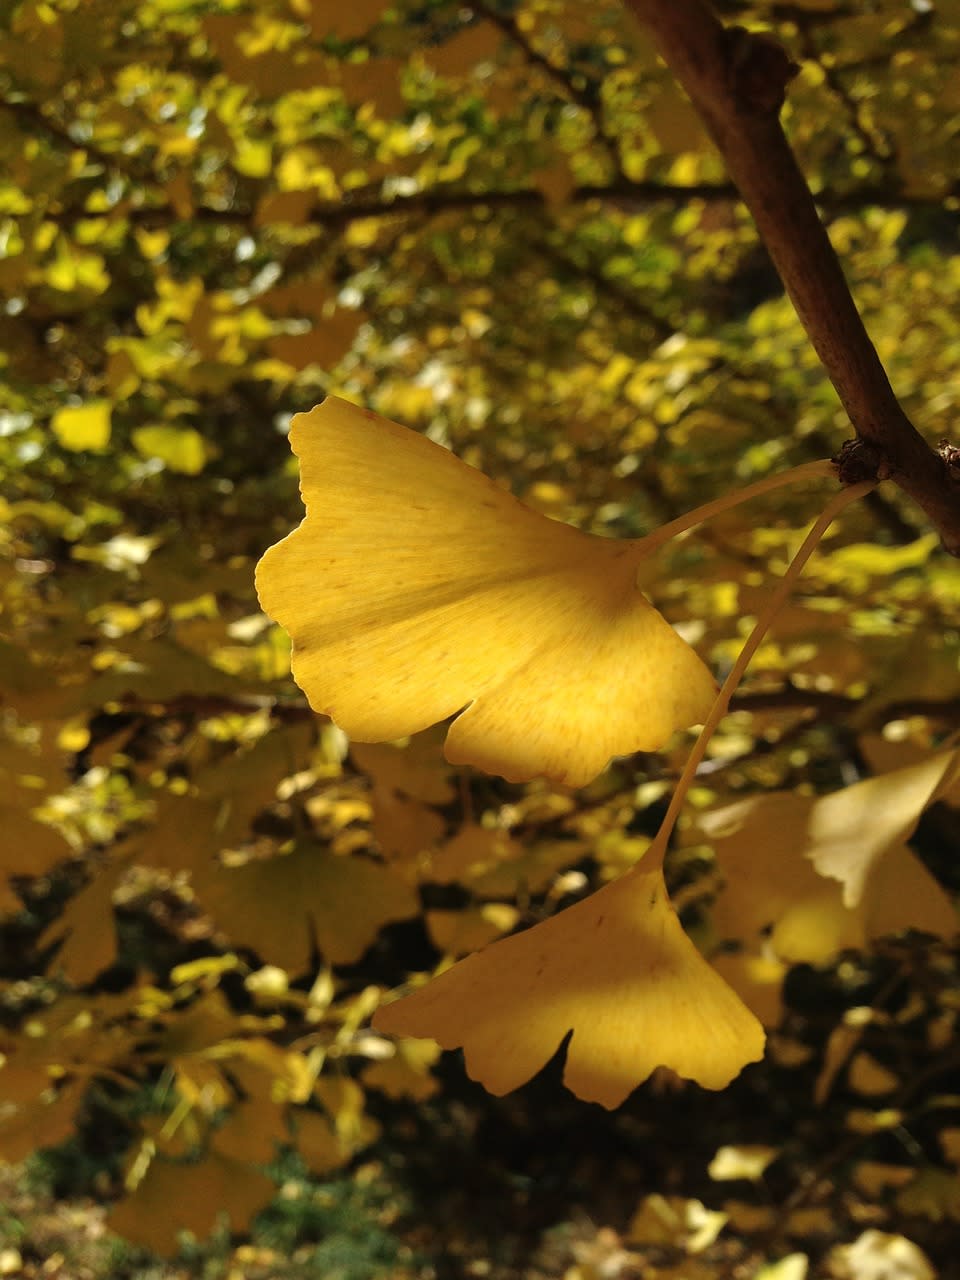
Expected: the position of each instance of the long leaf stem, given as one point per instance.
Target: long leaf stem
(821, 469)
(778, 596)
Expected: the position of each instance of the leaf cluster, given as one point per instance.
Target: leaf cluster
(502, 225)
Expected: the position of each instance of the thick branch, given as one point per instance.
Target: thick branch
(736, 82)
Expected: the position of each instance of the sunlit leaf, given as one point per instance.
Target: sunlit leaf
(735, 1162)
(795, 1266)
(673, 1221)
(850, 830)
(86, 426)
(181, 449)
(415, 588)
(880, 1254)
(763, 847)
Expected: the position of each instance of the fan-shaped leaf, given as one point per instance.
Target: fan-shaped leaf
(416, 588)
(616, 970)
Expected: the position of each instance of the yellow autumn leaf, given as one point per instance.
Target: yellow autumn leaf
(934, 1194)
(764, 850)
(229, 794)
(281, 905)
(747, 1161)
(44, 1121)
(404, 781)
(251, 1132)
(318, 1143)
(174, 1196)
(403, 828)
(675, 1222)
(83, 426)
(792, 1267)
(28, 848)
(871, 1078)
(407, 1074)
(757, 978)
(457, 933)
(346, 22)
(88, 926)
(328, 1140)
(473, 851)
(877, 1253)
(532, 872)
(949, 1140)
(417, 770)
(616, 970)
(850, 830)
(416, 588)
(180, 449)
(253, 157)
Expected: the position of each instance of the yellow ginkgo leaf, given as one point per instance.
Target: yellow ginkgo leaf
(83, 426)
(282, 905)
(757, 978)
(182, 449)
(849, 831)
(616, 970)
(416, 588)
(766, 850)
(173, 1197)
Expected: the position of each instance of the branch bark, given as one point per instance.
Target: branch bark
(737, 82)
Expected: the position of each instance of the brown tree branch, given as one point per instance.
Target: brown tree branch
(737, 83)
(816, 703)
(626, 192)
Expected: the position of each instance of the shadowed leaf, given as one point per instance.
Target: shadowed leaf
(174, 1197)
(276, 905)
(618, 972)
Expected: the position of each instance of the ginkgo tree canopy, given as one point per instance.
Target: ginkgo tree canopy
(416, 588)
(502, 224)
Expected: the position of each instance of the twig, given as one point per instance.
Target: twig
(34, 119)
(581, 97)
(631, 194)
(737, 82)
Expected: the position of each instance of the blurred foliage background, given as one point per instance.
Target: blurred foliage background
(501, 223)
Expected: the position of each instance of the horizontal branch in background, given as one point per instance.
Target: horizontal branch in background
(626, 192)
(815, 703)
(737, 81)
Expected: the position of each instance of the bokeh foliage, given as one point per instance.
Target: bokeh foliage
(502, 224)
